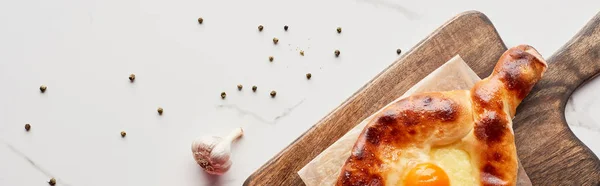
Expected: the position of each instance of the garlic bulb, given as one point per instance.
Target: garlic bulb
(212, 153)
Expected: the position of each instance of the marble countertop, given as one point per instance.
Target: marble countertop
(85, 50)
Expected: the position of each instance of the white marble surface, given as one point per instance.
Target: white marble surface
(84, 50)
(582, 116)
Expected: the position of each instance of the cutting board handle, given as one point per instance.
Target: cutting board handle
(579, 59)
(543, 111)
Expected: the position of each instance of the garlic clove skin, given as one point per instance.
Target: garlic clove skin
(202, 147)
(213, 153)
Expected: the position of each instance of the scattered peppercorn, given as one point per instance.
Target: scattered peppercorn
(52, 182)
(131, 77)
(200, 20)
(27, 127)
(123, 134)
(254, 88)
(339, 30)
(223, 95)
(240, 86)
(302, 52)
(271, 58)
(308, 76)
(337, 53)
(285, 27)
(398, 51)
(43, 88)
(160, 110)
(260, 28)
(273, 93)
(275, 40)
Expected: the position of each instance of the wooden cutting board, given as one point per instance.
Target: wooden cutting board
(547, 148)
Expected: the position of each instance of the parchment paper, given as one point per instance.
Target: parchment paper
(325, 168)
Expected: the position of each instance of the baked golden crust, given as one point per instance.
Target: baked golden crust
(478, 119)
(419, 119)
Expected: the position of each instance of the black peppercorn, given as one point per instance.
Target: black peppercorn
(223, 95)
(398, 51)
(123, 134)
(160, 110)
(339, 30)
(200, 20)
(285, 27)
(27, 127)
(52, 182)
(260, 28)
(239, 87)
(273, 93)
(131, 77)
(337, 53)
(43, 88)
(254, 88)
(308, 76)
(271, 58)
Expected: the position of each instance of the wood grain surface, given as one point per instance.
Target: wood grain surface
(549, 151)
(470, 34)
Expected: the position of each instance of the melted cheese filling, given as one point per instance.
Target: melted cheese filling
(457, 164)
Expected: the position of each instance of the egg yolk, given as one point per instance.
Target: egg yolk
(426, 174)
